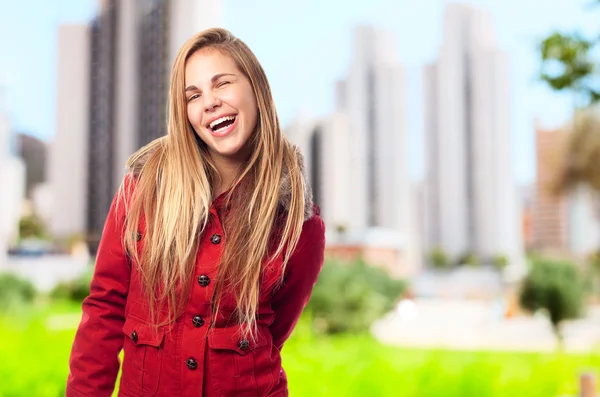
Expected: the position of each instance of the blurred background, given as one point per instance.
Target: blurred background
(454, 150)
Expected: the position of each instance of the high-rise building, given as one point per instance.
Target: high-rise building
(33, 151)
(69, 157)
(372, 97)
(12, 180)
(133, 46)
(325, 146)
(104, 105)
(472, 198)
(549, 221)
(562, 222)
(356, 160)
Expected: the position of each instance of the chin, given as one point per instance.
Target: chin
(227, 151)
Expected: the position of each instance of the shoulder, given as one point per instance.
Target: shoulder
(125, 195)
(312, 237)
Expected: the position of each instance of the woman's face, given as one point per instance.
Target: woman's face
(221, 105)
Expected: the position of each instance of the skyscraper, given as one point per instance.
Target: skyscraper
(325, 145)
(472, 205)
(12, 180)
(356, 159)
(103, 103)
(68, 158)
(372, 97)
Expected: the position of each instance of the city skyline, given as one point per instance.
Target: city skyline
(287, 67)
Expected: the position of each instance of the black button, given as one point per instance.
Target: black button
(138, 236)
(198, 321)
(203, 280)
(191, 363)
(244, 344)
(215, 238)
(134, 336)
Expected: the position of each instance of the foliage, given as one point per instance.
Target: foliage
(348, 297)
(439, 259)
(14, 291)
(581, 165)
(499, 261)
(569, 63)
(31, 226)
(75, 290)
(468, 258)
(344, 365)
(555, 287)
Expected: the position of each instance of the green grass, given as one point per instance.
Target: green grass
(34, 355)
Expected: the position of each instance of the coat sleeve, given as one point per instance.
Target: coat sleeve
(301, 274)
(94, 361)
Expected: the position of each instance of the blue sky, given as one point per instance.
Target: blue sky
(304, 47)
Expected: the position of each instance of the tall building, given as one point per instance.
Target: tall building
(12, 180)
(33, 151)
(561, 223)
(68, 151)
(472, 198)
(356, 160)
(549, 221)
(133, 46)
(103, 105)
(325, 145)
(372, 97)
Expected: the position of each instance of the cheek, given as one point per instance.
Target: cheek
(194, 116)
(251, 107)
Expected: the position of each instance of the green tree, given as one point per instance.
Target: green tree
(569, 64)
(555, 287)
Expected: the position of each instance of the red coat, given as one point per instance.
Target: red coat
(186, 359)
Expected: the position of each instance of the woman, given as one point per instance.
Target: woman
(211, 248)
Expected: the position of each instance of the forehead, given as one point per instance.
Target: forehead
(204, 64)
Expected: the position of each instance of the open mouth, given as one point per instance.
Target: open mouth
(222, 124)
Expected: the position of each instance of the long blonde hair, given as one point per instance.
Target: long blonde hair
(173, 193)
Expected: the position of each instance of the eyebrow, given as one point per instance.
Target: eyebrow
(214, 78)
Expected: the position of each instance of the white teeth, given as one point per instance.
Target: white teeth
(222, 119)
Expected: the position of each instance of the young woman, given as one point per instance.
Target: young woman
(211, 248)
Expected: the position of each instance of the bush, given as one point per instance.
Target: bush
(555, 287)
(350, 297)
(31, 226)
(500, 261)
(468, 259)
(438, 259)
(75, 290)
(15, 291)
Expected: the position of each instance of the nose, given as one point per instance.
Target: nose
(211, 101)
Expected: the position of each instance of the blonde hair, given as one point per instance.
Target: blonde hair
(173, 193)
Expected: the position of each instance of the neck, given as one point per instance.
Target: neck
(228, 170)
